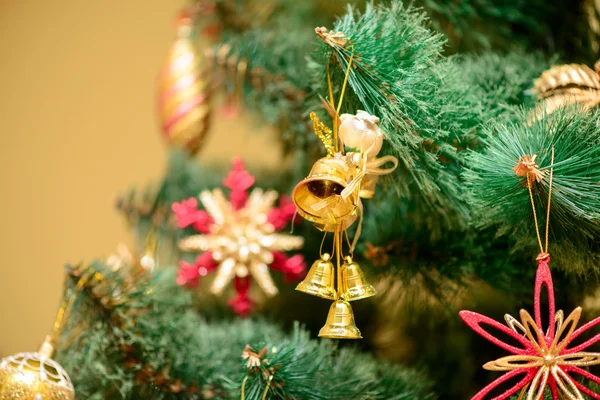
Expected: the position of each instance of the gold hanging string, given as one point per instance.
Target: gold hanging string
(266, 391)
(350, 247)
(358, 227)
(332, 105)
(67, 303)
(243, 397)
(331, 98)
(339, 107)
(267, 387)
(543, 250)
(338, 245)
(321, 247)
(537, 229)
(549, 198)
(334, 247)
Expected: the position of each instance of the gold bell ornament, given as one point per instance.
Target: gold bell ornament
(320, 279)
(340, 322)
(354, 284)
(319, 198)
(329, 197)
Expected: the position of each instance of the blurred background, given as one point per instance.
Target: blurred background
(79, 126)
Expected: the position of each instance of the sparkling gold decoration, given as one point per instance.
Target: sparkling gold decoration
(34, 376)
(320, 279)
(340, 322)
(354, 283)
(567, 84)
(527, 167)
(241, 241)
(324, 133)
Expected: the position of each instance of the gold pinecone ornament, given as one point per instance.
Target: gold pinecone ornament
(34, 376)
(567, 84)
(592, 10)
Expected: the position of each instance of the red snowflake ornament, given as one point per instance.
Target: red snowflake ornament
(238, 238)
(543, 358)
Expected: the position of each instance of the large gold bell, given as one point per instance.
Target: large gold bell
(318, 197)
(320, 278)
(340, 322)
(354, 283)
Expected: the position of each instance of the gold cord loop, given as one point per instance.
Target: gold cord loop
(543, 250)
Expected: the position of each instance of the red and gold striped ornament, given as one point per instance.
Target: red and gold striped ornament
(184, 96)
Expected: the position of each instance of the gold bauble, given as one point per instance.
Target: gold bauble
(34, 376)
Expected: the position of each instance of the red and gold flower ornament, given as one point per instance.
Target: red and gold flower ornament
(544, 358)
(239, 239)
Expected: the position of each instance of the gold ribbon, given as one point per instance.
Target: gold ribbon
(367, 167)
(371, 167)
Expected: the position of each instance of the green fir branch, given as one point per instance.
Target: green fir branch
(424, 108)
(164, 340)
(499, 197)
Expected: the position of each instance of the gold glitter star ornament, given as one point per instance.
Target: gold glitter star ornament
(34, 376)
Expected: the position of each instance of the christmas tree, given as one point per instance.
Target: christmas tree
(431, 150)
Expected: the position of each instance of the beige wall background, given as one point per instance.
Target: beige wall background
(78, 126)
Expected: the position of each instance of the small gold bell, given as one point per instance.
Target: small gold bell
(340, 322)
(318, 197)
(354, 283)
(320, 279)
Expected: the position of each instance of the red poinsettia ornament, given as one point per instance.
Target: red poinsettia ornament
(543, 358)
(239, 239)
